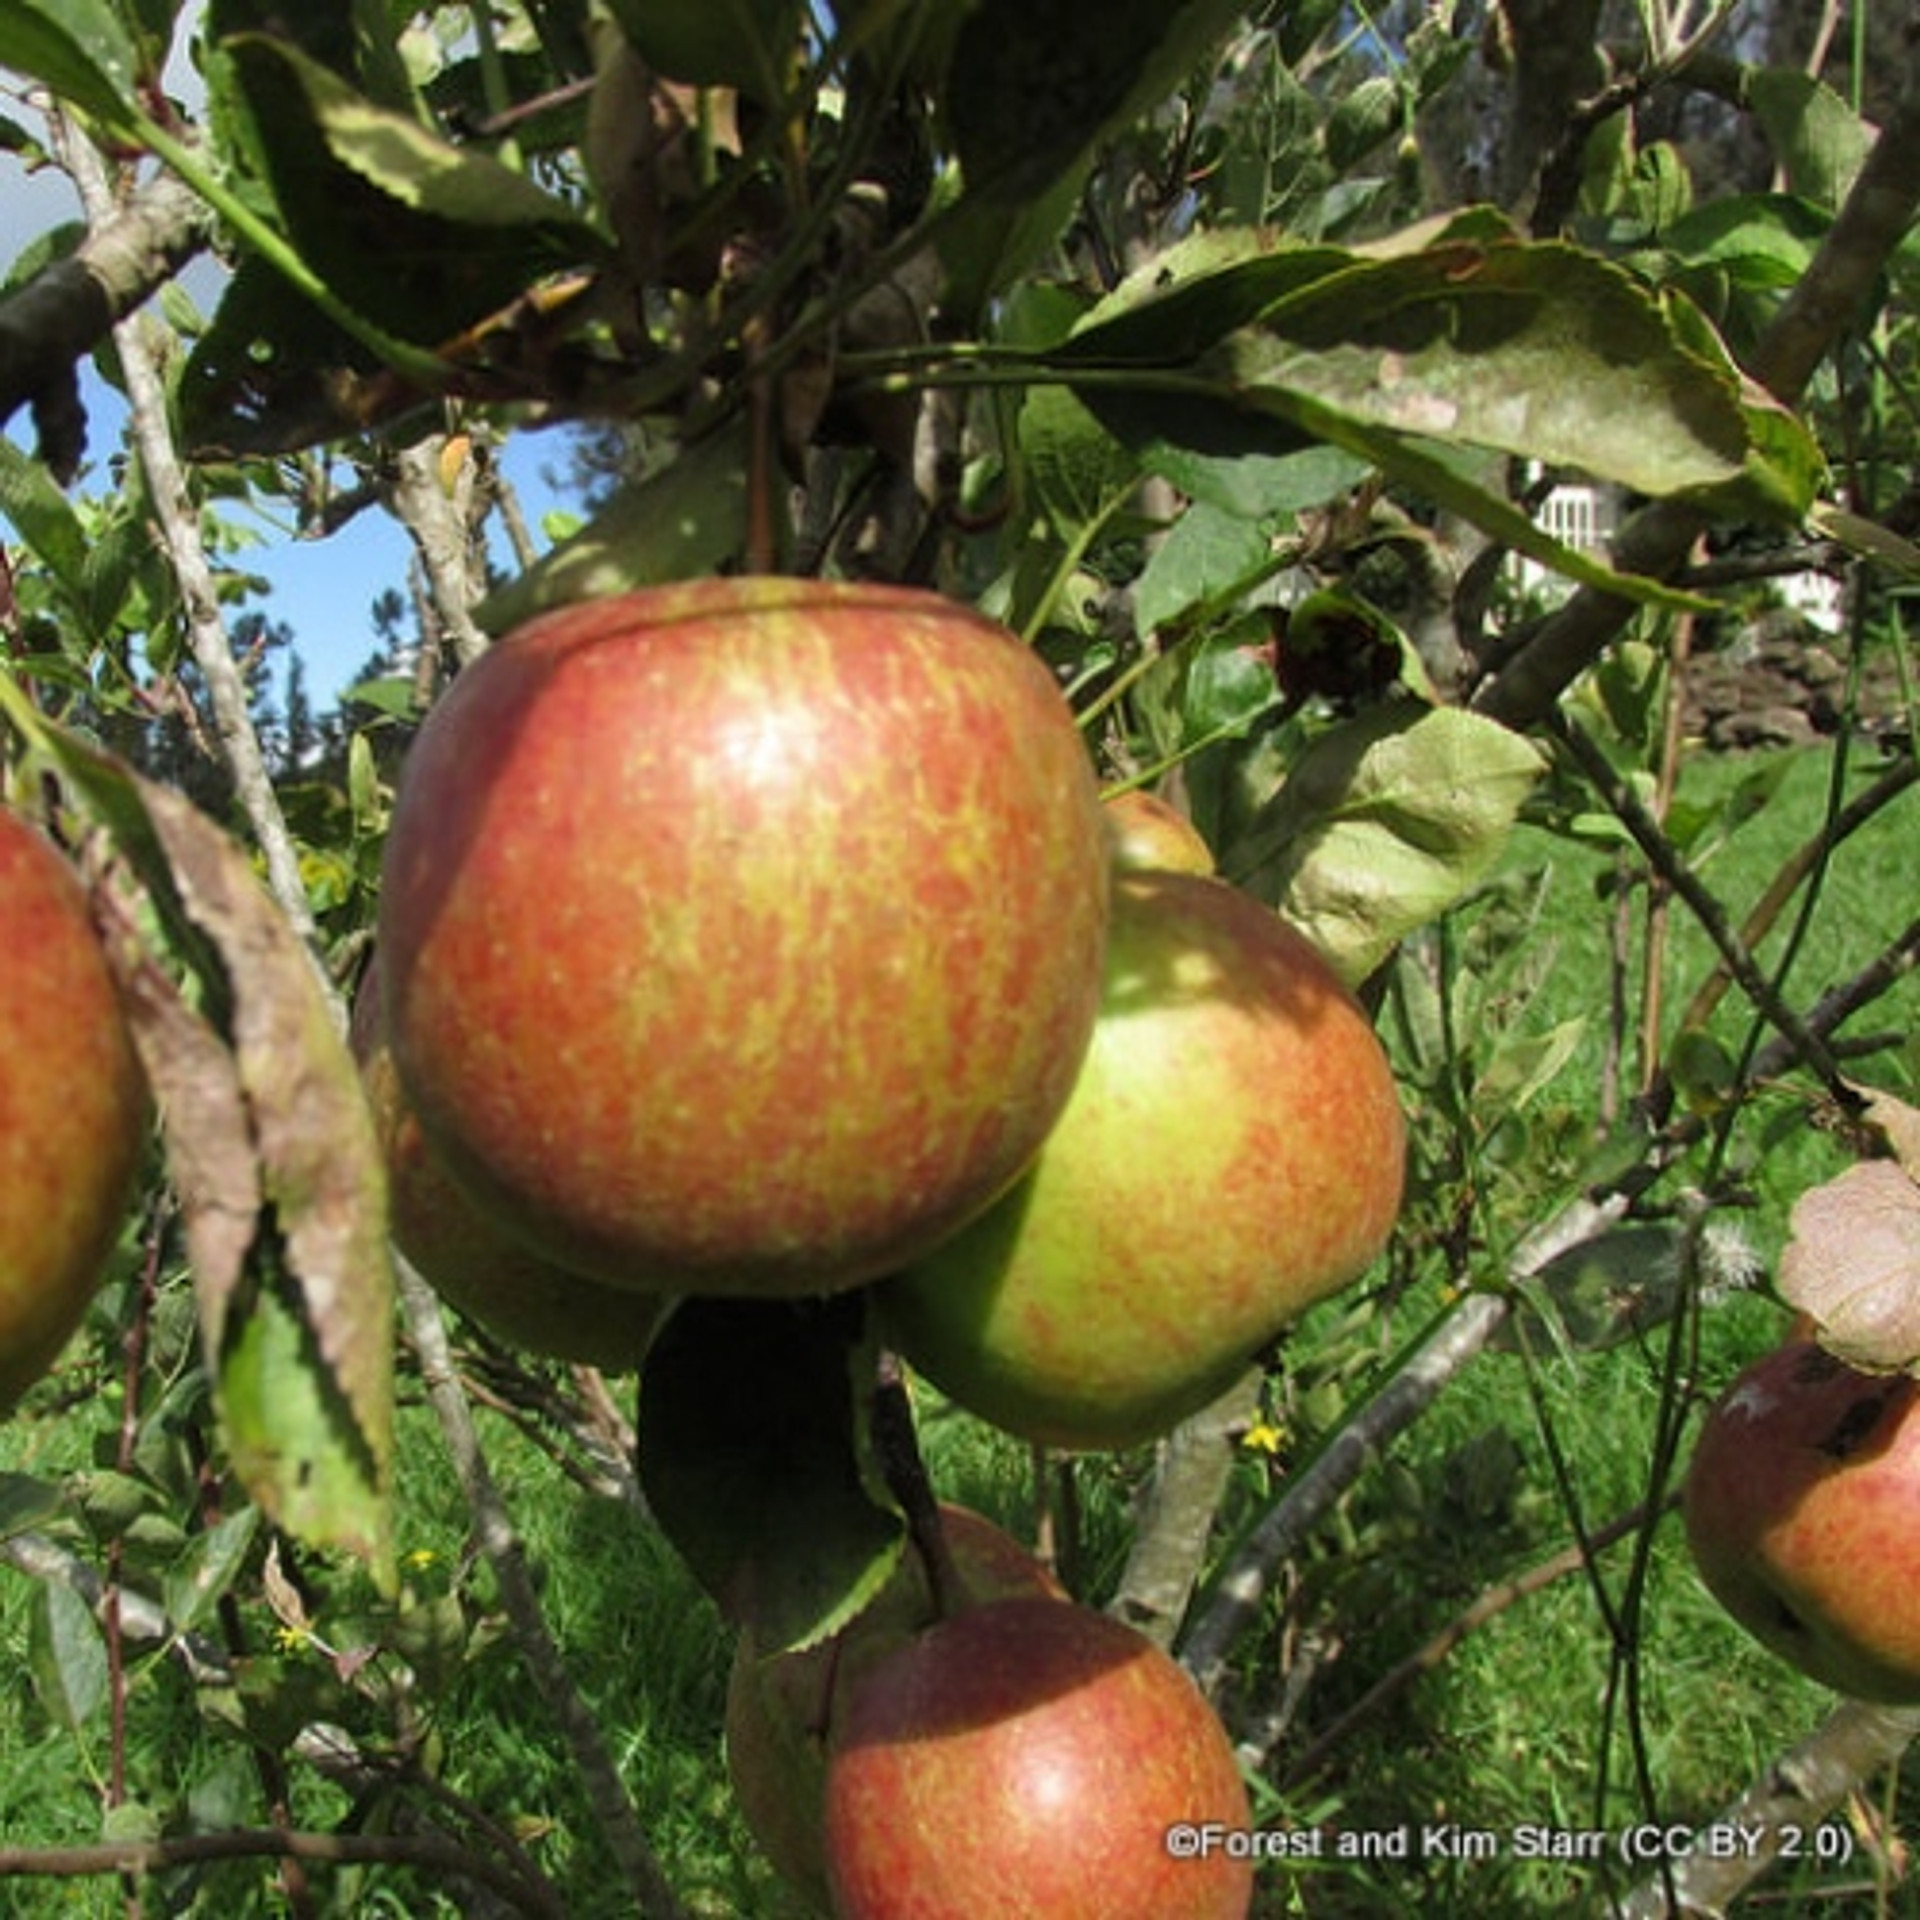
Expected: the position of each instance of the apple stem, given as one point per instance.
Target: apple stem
(897, 1443)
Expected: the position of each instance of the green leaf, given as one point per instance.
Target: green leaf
(1182, 301)
(420, 238)
(1820, 141)
(1384, 823)
(754, 1456)
(1763, 240)
(1078, 469)
(1030, 92)
(1541, 351)
(747, 44)
(26, 1503)
(393, 695)
(1363, 117)
(1611, 1288)
(77, 48)
(1521, 1069)
(1228, 687)
(1206, 553)
(272, 1149)
(688, 519)
(66, 1655)
(44, 520)
(208, 1567)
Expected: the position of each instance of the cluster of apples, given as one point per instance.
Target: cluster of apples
(73, 1107)
(771, 938)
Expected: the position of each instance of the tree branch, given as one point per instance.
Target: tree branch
(437, 515)
(68, 308)
(179, 524)
(1655, 542)
(1465, 1329)
(1177, 1512)
(445, 1858)
(1801, 1789)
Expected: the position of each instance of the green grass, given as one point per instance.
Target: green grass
(1506, 1730)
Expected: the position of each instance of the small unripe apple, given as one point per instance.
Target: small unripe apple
(781, 1707)
(73, 1107)
(1802, 1509)
(1233, 1152)
(743, 936)
(1149, 834)
(470, 1261)
(1031, 1758)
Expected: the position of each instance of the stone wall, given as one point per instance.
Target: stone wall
(1780, 682)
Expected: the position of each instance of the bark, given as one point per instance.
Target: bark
(177, 518)
(68, 308)
(437, 513)
(1177, 1513)
(1788, 1806)
(1235, 1602)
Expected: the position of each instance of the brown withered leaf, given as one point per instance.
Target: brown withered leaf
(321, 1186)
(1897, 1124)
(272, 1150)
(1853, 1265)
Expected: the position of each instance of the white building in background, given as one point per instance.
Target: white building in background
(1586, 515)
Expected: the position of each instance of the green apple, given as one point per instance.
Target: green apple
(744, 936)
(1802, 1511)
(1030, 1758)
(73, 1107)
(1150, 834)
(1233, 1152)
(472, 1262)
(781, 1707)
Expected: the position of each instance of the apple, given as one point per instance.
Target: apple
(472, 1263)
(781, 1706)
(744, 936)
(1802, 1512)
(73, 1107)
(1233, 1152)
(1150, 834)
(1030, 1758)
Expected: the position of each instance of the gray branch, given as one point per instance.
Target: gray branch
(68, 308)
(178, 521)
(1786, 1809)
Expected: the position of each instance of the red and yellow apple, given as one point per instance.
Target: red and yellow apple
(1150, 834)
(1233, 1152)
(73, 1107)
(470, 1261)
(1802, 1511)
(744, 936)
(1031, 1758)
(781, 1707)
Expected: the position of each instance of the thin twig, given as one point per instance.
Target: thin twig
(444, 1858)
(1490, 1604)
(178, 521)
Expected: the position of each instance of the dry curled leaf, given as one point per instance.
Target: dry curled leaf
(1897, 1124)
(1853, 1265)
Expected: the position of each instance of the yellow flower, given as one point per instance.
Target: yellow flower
(1264, 1437)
